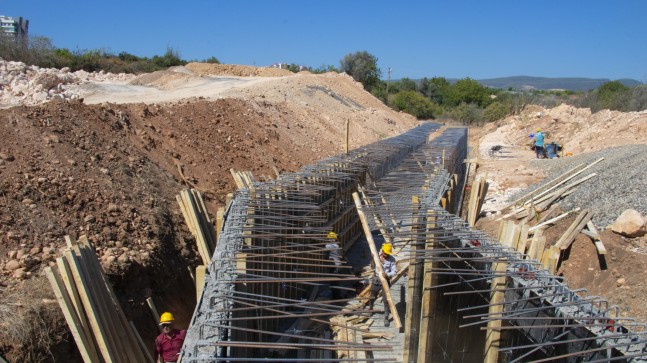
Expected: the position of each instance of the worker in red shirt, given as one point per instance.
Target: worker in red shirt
(169, 342)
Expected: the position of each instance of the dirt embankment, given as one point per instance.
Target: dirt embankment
(112, 170)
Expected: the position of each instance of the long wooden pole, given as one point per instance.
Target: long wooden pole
(376, 259)
(347, 135)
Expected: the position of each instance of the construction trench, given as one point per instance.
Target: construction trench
(272, 294)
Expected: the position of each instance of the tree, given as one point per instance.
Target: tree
(437, 89)
(407, 84)
(362, 66)
(613, 96)
(416, 104)
(469, 91)
(324, 68)
(211, 59)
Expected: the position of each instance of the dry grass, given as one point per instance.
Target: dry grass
(31, 322)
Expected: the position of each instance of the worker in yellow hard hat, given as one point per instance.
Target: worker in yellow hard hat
(169, 342)
(390, 270)
(333, 252)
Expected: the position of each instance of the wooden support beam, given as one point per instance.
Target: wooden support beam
(497, 297)
(153, 309)
(599, 246)
(523, 238)
(200, 273)
(429, 296)
(553, 220)
(376, 259)
(414, 292)
(574, 229)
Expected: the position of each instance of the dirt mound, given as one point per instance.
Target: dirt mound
(211, 69)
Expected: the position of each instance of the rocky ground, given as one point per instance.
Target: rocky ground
(104, 155)
(619, 185)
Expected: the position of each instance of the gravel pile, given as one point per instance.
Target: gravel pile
(620, 183)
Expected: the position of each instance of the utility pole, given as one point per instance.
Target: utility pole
(387, 83)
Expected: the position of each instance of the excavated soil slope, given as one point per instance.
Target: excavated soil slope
(111, 170)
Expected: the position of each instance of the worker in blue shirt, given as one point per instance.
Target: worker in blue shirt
(539, 144)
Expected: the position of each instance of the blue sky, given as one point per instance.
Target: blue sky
(452, 38)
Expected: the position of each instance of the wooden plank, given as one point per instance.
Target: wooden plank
(554, 183)
(414, 292)
(200, 273)
(73, 292)
(523, 238)
(596, 238)
(553, 259)
(153, 309)
(201, 244)
(376, 259)
(99, 330)
(429, 296)
(114, 317)
(83, 342)
(205, 221)
(493, 335)
(565, 241)
(553, 220)
(473, 202)
(220, 214)
(185, 214)
(276, 171)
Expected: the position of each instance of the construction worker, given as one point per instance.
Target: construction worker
(333, 252)
(390, 270)
(539, 144)
(169, 342)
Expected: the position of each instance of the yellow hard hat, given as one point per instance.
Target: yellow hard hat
(387, 248)
(538, 129)
(166, 318)
(332, 235)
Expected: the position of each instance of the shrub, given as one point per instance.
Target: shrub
(467, 113)
(30, 325)
(496, 111)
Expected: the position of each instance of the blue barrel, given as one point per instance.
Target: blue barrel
(551, 150)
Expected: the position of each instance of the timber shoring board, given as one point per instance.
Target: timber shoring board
(91, 309)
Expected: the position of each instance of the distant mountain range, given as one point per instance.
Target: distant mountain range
(544, 83)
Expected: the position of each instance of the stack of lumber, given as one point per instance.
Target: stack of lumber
(516, 236)
(91, 309)
(197, 219)
(477, 197)
(243, 179)
(530, 205)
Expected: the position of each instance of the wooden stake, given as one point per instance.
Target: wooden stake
(156, 315)
(378, 263)
(347, 136)
(200, 272)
